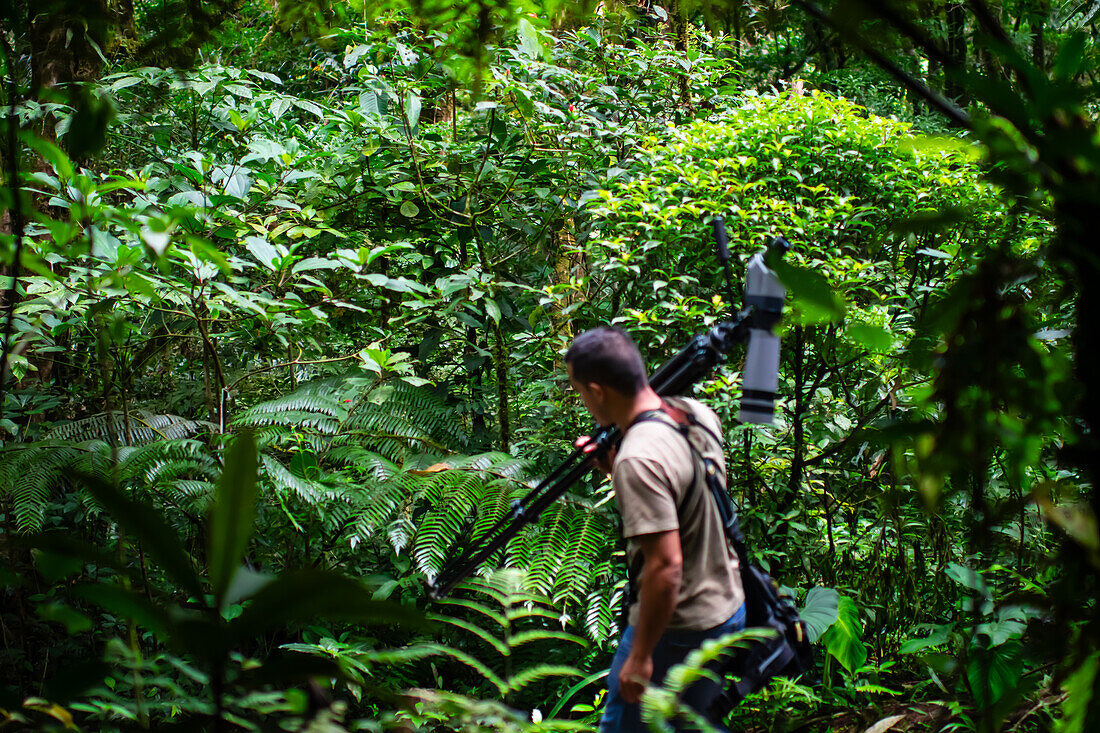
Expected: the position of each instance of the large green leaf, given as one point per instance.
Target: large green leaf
(1071, 56)
(842, 639)
(814, 297)
(412, 111)
(233, 514)
(529, 42)
(821, 611)
(574, 690)
(993, 673)
(1079, 688)
(310, 595)
(145, 524)
(966, 577)
(870, 336)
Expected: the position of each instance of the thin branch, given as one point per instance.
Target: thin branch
(949, 109)
(229, 387)
(866, 418)
(988, 22)
(912, 32)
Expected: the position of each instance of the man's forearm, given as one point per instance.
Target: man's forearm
(657, 596)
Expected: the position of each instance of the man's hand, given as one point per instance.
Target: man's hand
(634, 676)
(603, 465)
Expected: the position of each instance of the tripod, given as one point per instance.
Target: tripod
(687, 368)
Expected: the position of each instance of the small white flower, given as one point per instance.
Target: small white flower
(536, 716)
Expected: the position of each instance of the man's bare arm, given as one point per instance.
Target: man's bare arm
(657, 596)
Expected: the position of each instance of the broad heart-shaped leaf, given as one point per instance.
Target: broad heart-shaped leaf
(233, 513)
(820, 612)
(529, 42)
(966, 577)
(817, 300)
(148, 527)
(842, 639)
(992, 673)
(870, 336)
(312, 595)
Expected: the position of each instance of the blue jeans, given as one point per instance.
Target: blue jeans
(672, 648)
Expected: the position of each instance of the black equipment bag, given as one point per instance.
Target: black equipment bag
(788, 653)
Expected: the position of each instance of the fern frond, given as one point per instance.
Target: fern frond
(542, 671)
(474, 629)
(588, 540)
(428, 410)
(311, 492)
(390, 433)
(604, 606)
(193, 496)
(472, 663)
(166, 461)
(400, 533)
(319, 421)
(312, 398)
(135, 428)
(481, 608)
(32, 472)
(552, 537)
(526, 637)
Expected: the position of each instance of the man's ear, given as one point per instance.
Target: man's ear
(597, 391)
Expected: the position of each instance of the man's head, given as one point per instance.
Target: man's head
(606, 369)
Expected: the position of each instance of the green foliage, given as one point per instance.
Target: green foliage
(364, 232)
(34, 472)
(202, 628)
(662, 705)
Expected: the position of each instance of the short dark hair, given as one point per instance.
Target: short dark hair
(607, 356)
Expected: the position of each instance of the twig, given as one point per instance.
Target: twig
(229, 387)
(949, 109)
(839, 446)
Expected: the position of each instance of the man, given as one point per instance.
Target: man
(685, 577)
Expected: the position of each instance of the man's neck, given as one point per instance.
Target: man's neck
(644, 401)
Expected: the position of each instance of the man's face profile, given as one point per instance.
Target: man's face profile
(592, 395)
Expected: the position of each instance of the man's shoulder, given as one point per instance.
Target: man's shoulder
(645, 438)
(702, 413)
(651, 438)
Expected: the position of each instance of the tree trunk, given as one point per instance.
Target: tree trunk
(794, 481)
(1037, 20)
(502, 363)
(678, 30)
(955, 21)
(568, 265)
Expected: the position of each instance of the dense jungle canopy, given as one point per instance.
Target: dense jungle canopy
(286, 289)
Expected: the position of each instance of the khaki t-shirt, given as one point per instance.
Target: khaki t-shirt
(652, 475)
